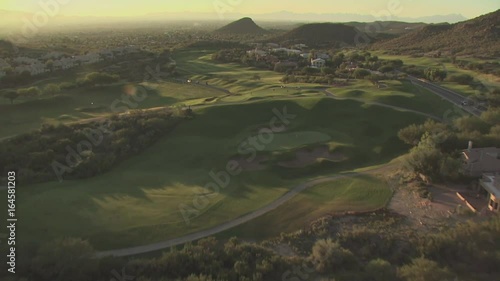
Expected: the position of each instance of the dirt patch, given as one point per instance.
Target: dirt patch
(305, 157)
(257, 164)
(427, 214)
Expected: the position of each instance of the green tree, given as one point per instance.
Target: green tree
(51, 89)
(374, 78)
(386, 68)
(435, 74)
(462, 79)
(337, 60)
(327, 70)
(491, 116)
(310, 71)
(380, 270)
(328, 256)
(471, 124)
(10, 95)
(98, 78)
(412, 134)
(65, 259)
(50, 65)
(422, 269)
(425, 158)
(193, 277)
(361, 73)
(397, 63)
(29, 92)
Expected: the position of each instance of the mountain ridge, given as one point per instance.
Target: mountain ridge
(317, 34)
(478, 36)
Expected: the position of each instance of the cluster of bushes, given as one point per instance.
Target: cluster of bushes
(215, 44)
(31, 92)
(371, 247)
(414, 70)
(436, 146)
(462, 79)
(207, 260)
(94, 79)
(435, 74)
(484, 67)
(307, 79)
(229, 55)
(82, 150)
(295, 66)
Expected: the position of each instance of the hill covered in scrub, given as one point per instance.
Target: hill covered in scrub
(479, 36)
(317, 34)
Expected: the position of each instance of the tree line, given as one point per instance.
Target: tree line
(371, 247)
(83, 150)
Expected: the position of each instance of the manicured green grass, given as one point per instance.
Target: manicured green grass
(397, 93)
(286, 141)
(73, 105)
(199, 65)
(357, 194)
(138, 201)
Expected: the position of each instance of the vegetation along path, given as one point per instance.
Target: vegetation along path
(225, 226)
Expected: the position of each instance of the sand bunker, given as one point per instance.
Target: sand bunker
(305, 157)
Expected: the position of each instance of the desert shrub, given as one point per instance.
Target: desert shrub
(329, 256)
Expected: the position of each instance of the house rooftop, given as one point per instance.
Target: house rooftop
(491, 182)
(482, 160)
(475, 153)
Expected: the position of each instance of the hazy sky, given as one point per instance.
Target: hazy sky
(409, 8)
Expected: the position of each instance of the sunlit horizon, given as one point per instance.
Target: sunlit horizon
(115, 8)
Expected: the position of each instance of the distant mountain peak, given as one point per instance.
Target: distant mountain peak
(322, 33)
(244, 25)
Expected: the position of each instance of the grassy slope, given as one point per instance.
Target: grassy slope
(398, 93)
(137, 202)
(361, 193)
(199, 66)
(79, 104)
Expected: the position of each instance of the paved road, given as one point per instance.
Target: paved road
(225, 226)
(447, 94)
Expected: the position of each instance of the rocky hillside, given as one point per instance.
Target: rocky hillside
(479, 37)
